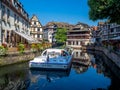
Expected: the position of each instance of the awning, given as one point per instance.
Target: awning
(27, 37)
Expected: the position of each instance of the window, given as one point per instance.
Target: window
(118, 29)
(76, 42)
(38, 36)
(15, 17)
(34, 23)
(3, 10)
(76, 54)
(112, 30)
(38, 29)
(69, 43)
(44, 53)
(22, 23)
(8, 13)
(64, 53)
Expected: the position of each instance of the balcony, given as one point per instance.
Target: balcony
(78, 34)
(111, 37)
(36, 32)
(77, 39)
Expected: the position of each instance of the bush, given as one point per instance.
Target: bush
(21, 48)
(5, 46)
(39, 47)
(33, 47)
(2, 50)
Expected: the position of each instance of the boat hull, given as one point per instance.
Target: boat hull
(49, 66)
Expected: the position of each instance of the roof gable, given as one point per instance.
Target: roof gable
(35, 19)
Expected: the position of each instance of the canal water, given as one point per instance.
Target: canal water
(89, 71)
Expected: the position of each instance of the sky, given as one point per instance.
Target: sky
(69, 11)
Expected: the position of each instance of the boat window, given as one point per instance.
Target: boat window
(44, 53)
(64, 53)
(53, 53)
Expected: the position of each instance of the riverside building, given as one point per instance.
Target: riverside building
(79, 36)
(36, 30)
(14, 24)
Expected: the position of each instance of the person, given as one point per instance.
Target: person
(63, 53)
(47, 58)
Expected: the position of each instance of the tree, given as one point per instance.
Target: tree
(60, 35)
(104, 9)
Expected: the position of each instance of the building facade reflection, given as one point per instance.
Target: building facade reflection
(19, 77)
(81, 58)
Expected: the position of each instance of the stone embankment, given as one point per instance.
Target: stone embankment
(13, 58)
(114, 57)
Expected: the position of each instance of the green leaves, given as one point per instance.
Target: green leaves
(104, 9)
(21, 48)
(2, 50)
(61, 35)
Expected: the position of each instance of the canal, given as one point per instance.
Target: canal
(89, 71)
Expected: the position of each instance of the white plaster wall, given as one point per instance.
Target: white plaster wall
(6, 26)
(41, 29)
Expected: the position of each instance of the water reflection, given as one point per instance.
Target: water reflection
(48, 75)
(81, 58)
(14, 78)
(89, 71)
(79, 68)
(100, 63)
(106, 67)
(41, 78)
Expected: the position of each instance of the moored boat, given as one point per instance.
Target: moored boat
(52, 59)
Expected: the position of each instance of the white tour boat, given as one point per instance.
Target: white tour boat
(52, 59)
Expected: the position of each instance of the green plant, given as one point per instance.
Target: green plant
(2, 50)
(39, 47)
(33, 47)
(21, 48)
(61, 36)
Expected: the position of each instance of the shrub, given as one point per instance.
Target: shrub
(39, 47)
(33, 47)
(2, 50)
(21, 48)
(5, 46)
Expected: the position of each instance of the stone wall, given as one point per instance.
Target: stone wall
(17, 58)
(114, 57)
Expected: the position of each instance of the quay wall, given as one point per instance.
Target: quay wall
(112, 56)
(16, 58)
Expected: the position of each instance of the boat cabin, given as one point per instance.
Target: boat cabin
(55, 52)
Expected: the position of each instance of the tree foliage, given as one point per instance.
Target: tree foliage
(61, 35)
(104, 9)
